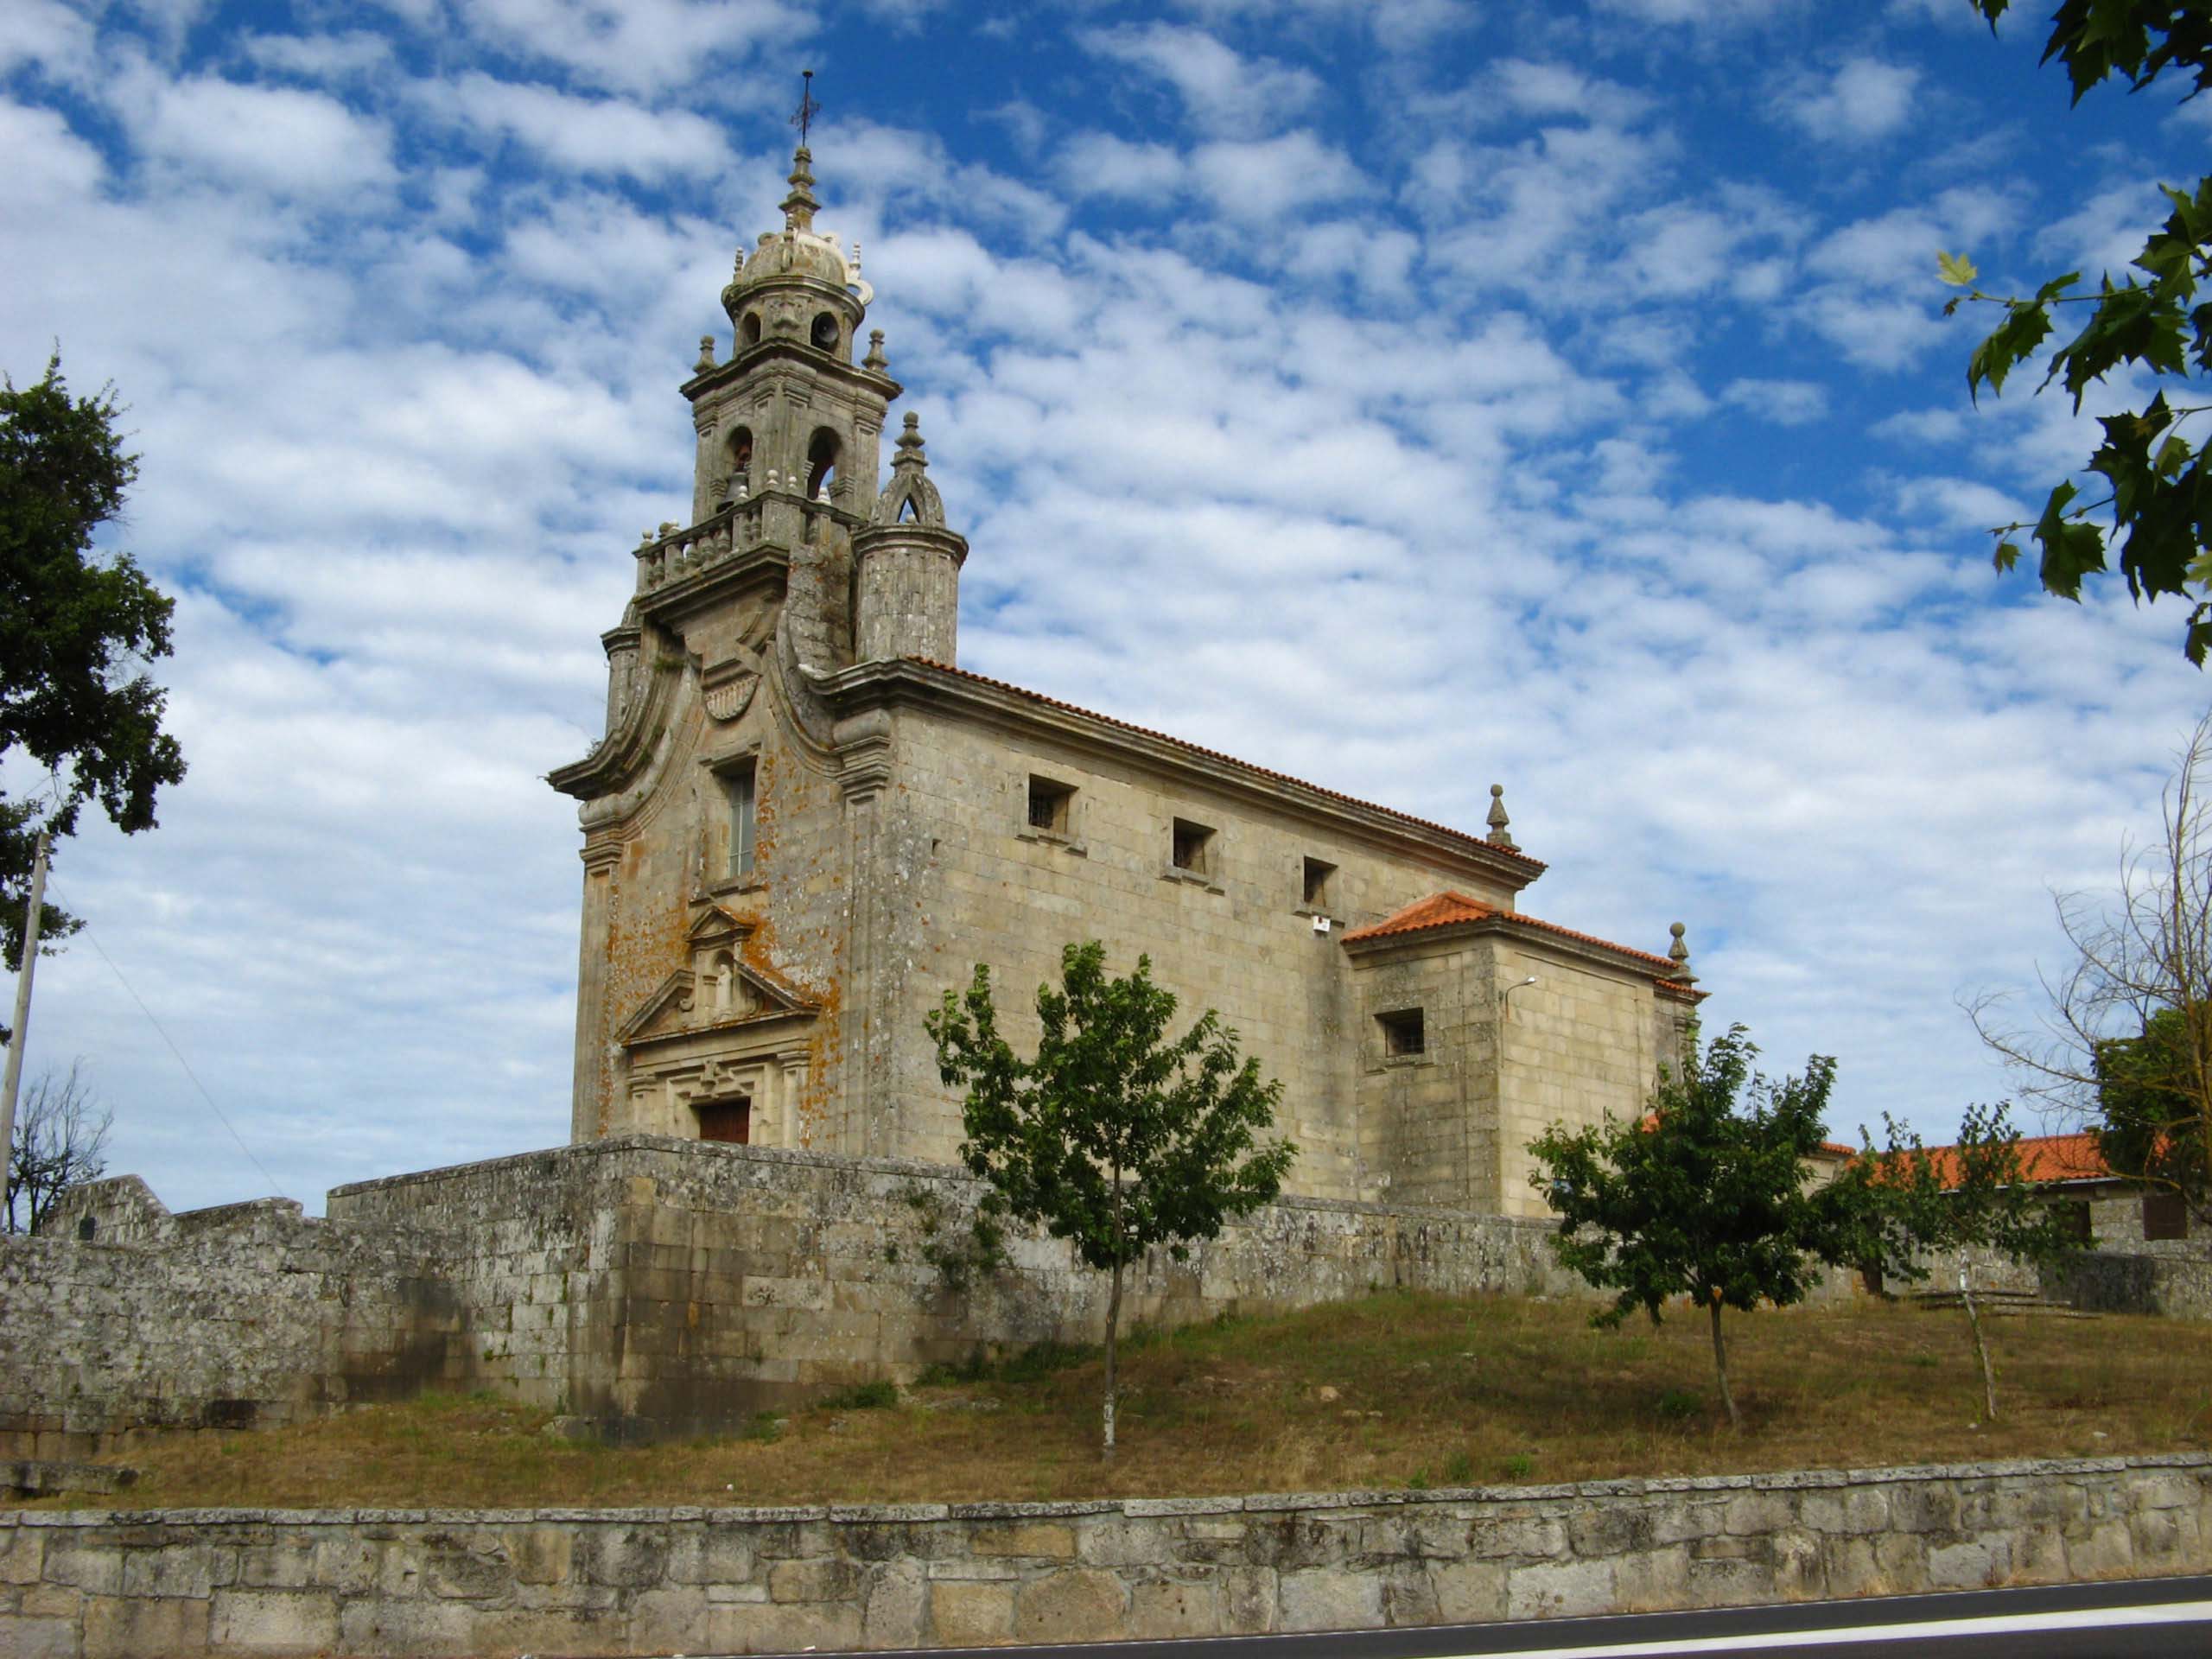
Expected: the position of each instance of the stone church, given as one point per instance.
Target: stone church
(806, 821)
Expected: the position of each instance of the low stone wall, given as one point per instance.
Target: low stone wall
(2174, 1280)
(639, 1581)
(248, 1316)
(650, 1285)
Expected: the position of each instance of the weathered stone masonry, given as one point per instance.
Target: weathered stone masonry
(652, 1285)
(487, 1584)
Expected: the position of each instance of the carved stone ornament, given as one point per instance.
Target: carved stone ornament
(729, 691)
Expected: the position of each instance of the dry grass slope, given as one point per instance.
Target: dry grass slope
(1396, 1390)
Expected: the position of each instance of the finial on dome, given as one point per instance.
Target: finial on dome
(799, 206)
(875, 359)
(1679, 954)
(1499, 834)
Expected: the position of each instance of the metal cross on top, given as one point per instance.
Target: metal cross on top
(808, 109)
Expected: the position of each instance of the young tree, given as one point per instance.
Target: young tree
(2153, 496)
(76, 631)
(1114, 1136)
(2124, 1044)
(61, 1141)
(1972, 1196)
(1703, 1198)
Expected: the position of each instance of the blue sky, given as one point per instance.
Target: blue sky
(1409, 395)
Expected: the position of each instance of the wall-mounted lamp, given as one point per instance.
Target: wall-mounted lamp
(1505, 996)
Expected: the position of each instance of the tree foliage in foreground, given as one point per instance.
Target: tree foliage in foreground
(1973, 1196)
(61, 1141)
(76, 632)
(2150, 505)
(1707, 1197)
(1115, 1137)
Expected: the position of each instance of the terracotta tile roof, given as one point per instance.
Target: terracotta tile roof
(1535, 865)
(2042, 1158)
(1448, 908)
(1438, 910)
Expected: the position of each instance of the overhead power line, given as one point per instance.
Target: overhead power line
(93, 939)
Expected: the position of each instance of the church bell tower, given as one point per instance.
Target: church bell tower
(716, 961)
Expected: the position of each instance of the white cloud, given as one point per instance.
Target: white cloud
(588, 136)
(1265, 179)
(2104, 234)
(1961, 503)
(1100, 165)
(640, 47)
(320, 57)
(1717, 14)
(1222, 92)
(1864, 100)
(1781, 403)
(278, 138)
(56, 38)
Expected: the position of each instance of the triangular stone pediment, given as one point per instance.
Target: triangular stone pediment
(662, 1012)
(720, 991)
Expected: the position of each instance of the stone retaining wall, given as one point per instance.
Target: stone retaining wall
(653, 1285)
(487, 1584)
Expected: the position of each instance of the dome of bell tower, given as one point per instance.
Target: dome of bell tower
(798, 283)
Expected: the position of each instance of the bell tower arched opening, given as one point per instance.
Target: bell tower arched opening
(738, 448)
(822, 452)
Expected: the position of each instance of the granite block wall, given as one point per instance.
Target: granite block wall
(653, 1286)
(94, 1584)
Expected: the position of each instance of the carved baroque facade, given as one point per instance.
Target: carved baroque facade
(806, 821)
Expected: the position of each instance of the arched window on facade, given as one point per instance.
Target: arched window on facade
(825, 333)
(749, 331)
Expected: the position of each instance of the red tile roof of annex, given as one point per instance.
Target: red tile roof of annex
(1515, 853)
(1449, 908)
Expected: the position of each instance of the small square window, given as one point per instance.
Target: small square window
(1319, 878)
(1193, 848)
(1051, 806)
(1402, 1033)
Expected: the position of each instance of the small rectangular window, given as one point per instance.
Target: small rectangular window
(1402, 1033)
(1317, 882)
(1193, 846)
(738, 784)
(2165, 1216)
(2073, 1217)
(1050, 806)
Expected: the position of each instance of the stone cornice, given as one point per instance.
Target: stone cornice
(1438, 1500)
(777, 351)
(912, 684)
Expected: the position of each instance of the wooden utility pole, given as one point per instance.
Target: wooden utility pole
(22, 1001)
